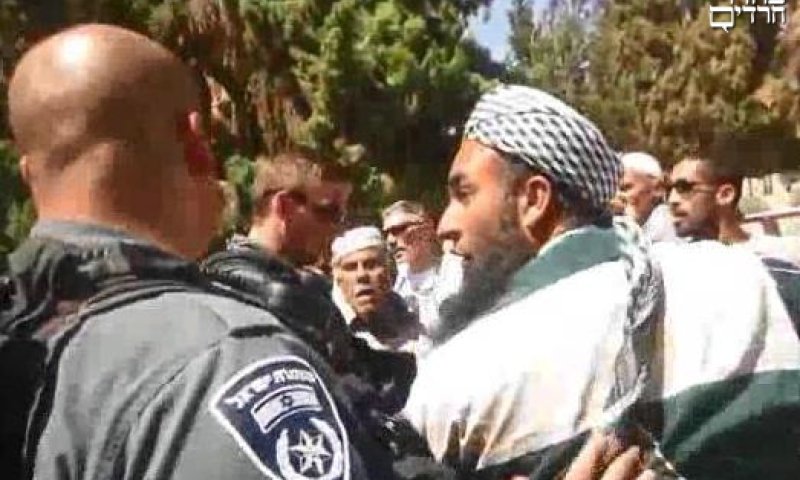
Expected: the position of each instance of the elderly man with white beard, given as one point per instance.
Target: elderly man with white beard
(566, 322)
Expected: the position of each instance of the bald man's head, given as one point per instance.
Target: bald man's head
(96, 84)
(108, 125)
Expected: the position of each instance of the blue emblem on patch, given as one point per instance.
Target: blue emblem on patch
(282, 416)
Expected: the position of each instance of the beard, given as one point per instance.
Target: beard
(697, 228)
(485, 279)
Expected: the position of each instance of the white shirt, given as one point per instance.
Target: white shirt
(781, 248)
(425, 291)
(419, 292)
(535, 372)
(497, 389)
(659, 226)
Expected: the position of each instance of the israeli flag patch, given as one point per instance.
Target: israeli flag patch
(284, 419)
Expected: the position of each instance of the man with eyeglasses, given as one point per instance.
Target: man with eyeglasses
(298, 201)
(424, 276)
(567, 320)
(704, 195)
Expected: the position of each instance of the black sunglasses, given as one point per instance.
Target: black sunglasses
(683, 186)
(400, 229)
(327, 212)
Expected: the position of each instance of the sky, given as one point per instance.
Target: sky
(493, 34)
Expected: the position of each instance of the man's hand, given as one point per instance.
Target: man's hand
(605, 458)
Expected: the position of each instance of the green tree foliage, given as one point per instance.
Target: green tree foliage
(15, 208)
(380, 85)
(631, 47)
(16, 212)
(780, 88)
(12, 22)
(658, 77)
(550, 51)
(706, 86)
(388, 76)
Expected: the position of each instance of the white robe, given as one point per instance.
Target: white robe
(541, 370)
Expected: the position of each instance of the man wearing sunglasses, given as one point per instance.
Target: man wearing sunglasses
(704, 196)
(566, 319)
(298, 203)
(411, 237)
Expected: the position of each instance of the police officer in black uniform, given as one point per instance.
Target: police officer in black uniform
(298, 202)
(158, 374)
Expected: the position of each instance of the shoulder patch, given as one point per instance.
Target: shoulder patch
(283, 417)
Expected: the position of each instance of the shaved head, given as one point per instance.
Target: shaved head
(96, 84)
(107, 122)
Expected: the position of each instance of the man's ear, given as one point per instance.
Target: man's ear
(726, 194)
(25, 169)
(282, 205)
(196, 151)
(534, 200)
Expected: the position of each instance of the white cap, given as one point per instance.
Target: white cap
(642, 162)
(356, 239)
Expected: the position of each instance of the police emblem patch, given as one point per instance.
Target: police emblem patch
(282, 416)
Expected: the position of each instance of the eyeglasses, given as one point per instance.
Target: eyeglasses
(326, 212)
(684, 187)
(400, 229)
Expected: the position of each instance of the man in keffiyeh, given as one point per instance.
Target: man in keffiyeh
(567, 322)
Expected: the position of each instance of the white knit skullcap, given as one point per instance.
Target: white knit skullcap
(643, 163)
(354, 240)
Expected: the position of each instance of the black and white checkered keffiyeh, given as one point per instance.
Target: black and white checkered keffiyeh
(551, 137)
